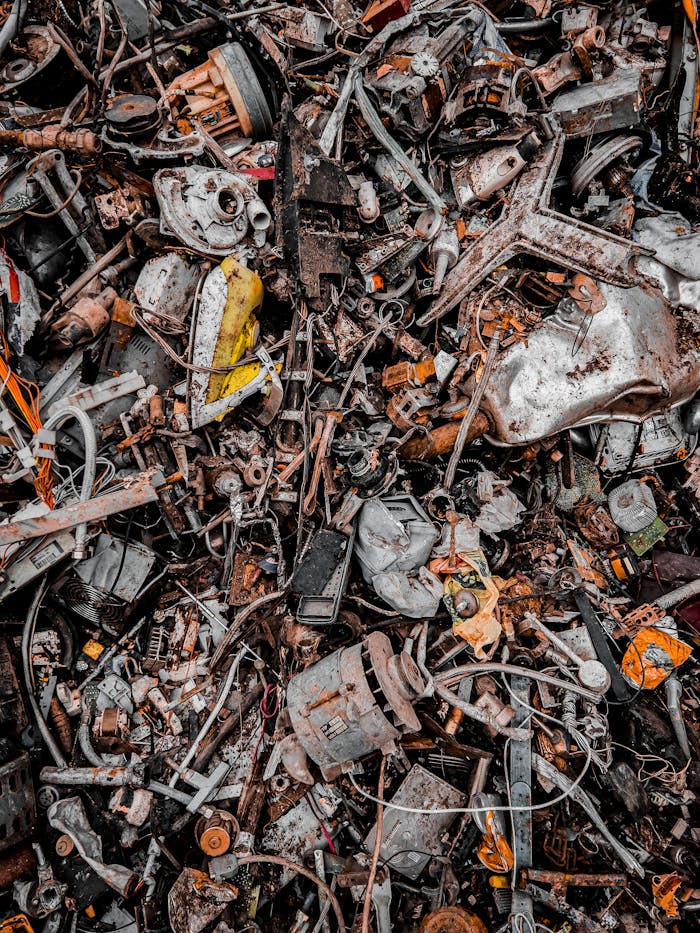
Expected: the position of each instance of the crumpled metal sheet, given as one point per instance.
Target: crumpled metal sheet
(349, 470)
(69, 816)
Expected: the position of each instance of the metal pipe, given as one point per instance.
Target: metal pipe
(98, 266)
(221, 699)
(89, 472)
(447, 678)
(132, 495)
(668, 600)
(480, 715)
(85, 745)
(98, 776)
(13, 23)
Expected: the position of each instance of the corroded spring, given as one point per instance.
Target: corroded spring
(61, 724)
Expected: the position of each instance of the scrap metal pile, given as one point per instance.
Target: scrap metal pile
(350, 496)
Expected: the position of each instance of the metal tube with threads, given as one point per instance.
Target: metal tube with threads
(53, 137)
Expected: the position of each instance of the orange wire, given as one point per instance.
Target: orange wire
(26, 397)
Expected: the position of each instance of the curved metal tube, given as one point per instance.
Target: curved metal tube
(87, 427)
(27, 636)
(13, 23)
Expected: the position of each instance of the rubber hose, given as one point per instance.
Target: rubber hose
(27, 636)
(13, 24)
(87, 427)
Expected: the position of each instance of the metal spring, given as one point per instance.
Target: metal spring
(92, 604)
(157, 647)
(503, 899)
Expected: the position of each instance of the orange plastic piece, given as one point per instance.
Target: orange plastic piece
(640, 668)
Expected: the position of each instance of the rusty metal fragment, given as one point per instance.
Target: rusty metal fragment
(349, 466)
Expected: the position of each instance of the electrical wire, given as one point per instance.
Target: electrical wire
(367, 905)
(68, 413)
(26, 396)
(496, 809)
(300, 870)
(313, 806)
(61, 207)
(26, 650)
(265, 716)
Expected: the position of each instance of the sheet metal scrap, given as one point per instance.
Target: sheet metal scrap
(349, 500)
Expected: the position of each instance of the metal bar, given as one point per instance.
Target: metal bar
(142, 490)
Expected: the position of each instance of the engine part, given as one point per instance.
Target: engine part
(478, 179)
(83, 322)
(114, 572)
(529, 225)
(208, 209)
(166, 287)
(224, 95)
(600, 158)
(627, 445)
(42, 897)
(216, 834)
(35, 50)
(131, 116)
(353, 702)
(53, 137)
(611, 104)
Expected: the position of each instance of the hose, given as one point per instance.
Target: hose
(85, 744)
(523, 25)
(677, 596)
(13, 23)
(455, 674)
(27, 638)
(86, 425)
(382, 135)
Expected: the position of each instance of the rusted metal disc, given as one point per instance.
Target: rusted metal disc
(452, 920)
(132, 115)
(215, 841)
(64, 845)
(217, 833)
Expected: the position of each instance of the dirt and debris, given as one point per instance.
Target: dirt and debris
(349, 466)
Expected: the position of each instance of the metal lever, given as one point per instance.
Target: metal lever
(381, 898)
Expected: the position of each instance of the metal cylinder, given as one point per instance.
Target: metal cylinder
(130, 776)
(217, 833)
(53, 137)
(354, 702)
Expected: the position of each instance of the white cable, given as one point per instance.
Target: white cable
(503, 809)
